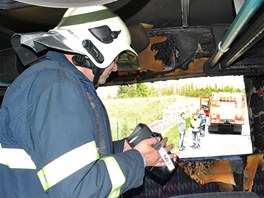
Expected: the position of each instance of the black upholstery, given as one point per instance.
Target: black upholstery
(220, 195)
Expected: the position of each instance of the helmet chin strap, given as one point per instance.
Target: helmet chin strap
(97, 73)
(81, 61)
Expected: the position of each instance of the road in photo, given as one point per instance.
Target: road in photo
(219, 144)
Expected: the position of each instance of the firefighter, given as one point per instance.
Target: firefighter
(55, 138)
(195, 128)
(202, 117)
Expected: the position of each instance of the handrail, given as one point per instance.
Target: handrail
(4, 84)
(246, 12)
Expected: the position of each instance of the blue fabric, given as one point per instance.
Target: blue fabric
(46, 112)
(181, 142)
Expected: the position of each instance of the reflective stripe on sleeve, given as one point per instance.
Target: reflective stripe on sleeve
(67, 164)
(116, 175)
(16, 158)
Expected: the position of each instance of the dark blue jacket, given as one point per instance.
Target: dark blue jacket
(46, 114)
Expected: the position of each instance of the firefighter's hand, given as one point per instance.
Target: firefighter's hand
(126, 146)
(145, 147)
(151, 154)
(168, 149)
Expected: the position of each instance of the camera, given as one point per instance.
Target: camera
(158, 174)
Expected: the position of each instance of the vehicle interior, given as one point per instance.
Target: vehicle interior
(174, 39)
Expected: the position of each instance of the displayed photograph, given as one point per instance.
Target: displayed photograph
(205, 117)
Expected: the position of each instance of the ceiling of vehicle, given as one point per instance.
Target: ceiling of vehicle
(187, 38)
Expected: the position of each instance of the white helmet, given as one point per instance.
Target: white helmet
(95, 32)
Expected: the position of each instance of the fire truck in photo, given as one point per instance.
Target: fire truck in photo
(227, 112)
(205, 105)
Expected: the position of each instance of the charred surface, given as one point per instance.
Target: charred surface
(171, 53)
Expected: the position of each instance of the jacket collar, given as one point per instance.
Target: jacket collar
(61, 58)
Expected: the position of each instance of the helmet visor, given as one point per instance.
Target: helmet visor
(127, 61)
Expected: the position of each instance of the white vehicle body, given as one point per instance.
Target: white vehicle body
(227, 111)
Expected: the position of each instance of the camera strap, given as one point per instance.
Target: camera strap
(164, 155)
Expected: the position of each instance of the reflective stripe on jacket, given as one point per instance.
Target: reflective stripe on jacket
(195, 125)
